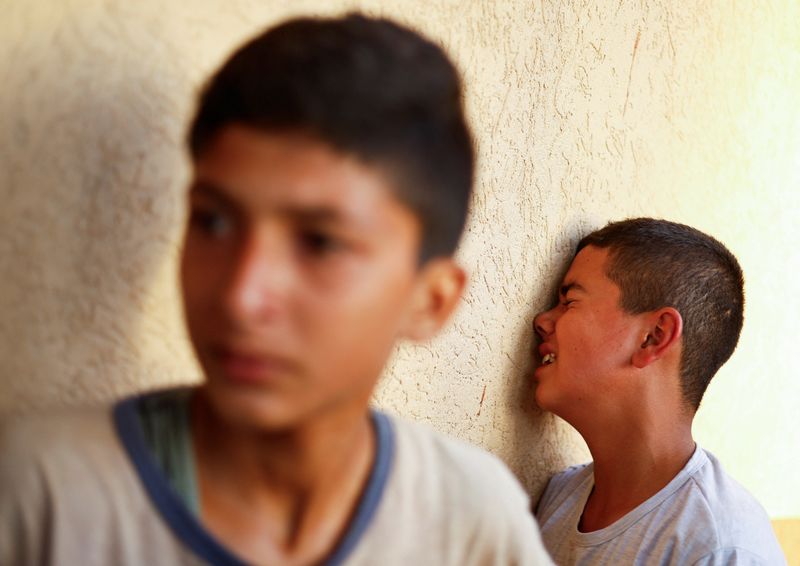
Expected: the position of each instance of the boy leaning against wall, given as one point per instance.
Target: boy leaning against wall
(332, 174)
(647, 313)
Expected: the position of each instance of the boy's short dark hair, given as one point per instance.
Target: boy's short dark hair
(367, 87)
(657, 263)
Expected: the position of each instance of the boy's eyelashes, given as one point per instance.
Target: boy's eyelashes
(217, 224)
(320, 242)
(210, 222)
(566, 301)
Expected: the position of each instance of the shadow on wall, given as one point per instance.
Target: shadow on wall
(539, 444)
(91, 206)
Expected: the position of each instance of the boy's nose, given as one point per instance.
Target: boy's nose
(543, 324)
(258, 284)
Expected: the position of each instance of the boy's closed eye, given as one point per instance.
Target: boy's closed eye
(569, 298)
(566, 295)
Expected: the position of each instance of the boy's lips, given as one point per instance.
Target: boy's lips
(548, 354)
(545, 348)
(251, 367)
(548, 357)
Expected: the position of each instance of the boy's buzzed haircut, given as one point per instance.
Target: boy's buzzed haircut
(367, 87)
(657, 263)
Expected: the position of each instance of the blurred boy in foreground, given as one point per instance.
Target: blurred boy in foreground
(332, 173)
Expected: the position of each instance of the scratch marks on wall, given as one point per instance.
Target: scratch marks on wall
(630, 71)
(480, 404)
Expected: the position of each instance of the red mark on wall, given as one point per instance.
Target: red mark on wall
(480, 405)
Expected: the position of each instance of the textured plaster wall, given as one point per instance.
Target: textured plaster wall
(583, 112)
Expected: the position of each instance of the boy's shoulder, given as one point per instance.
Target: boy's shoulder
(572, 475)
(58, 437)
(69, 491)
(566, 488)
(720, 491)
(460, 469)
(71, 458)
(714, 519)
(734, 516)
(449, 502)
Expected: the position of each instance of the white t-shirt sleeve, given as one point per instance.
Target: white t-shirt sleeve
(451, 504)
(506, 533)
(734, 557)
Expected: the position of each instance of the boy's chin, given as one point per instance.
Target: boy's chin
(259, 412)
(543, 399)
(254, 412)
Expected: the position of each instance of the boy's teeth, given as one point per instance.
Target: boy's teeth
(549, 359)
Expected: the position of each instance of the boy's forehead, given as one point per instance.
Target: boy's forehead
(588, 268)
(293, 171)
(240, 154)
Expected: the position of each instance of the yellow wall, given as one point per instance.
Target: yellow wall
(788, 533)
(583, 112)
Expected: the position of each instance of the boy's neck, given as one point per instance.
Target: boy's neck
(634, 457)
(283, 497)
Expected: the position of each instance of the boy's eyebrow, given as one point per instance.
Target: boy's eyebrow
(304, 214)
(211, 191)
(315, 215)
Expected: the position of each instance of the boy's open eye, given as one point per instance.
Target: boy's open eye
(318, 242)
(210, 221)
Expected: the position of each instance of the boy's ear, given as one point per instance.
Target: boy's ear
(437, 294)
(661, 336)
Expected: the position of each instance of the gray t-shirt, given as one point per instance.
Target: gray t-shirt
(83, 488)
(703, 516)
